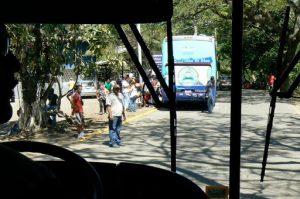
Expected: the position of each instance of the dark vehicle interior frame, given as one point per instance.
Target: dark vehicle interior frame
(75, 177)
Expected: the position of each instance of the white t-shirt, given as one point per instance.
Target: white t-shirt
(134, 91)
(116, 103)
(125, 86)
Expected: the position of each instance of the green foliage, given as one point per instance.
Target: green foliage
(153, 35)
(43, 49)
(262, 29)
(206, 17)
(260, 50)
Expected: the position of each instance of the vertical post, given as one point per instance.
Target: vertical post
(150, 59)
(195, 30)
(172, 86)
(139, 51)
(236, 99)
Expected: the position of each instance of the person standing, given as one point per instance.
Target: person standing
(108, 85)
(146, 96)
(77, 104)
(52, 105)
(132, 96)
(101, 95)
(210, 89)
(125, 91)
(138, 87)
(115, 108)
(271, 80)
(71, 83)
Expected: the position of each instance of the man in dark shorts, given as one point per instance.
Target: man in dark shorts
(52, 105)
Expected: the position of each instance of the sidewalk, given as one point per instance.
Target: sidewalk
(66, 134)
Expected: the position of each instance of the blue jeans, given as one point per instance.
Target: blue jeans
(126, 99)
(132, 105)
(115, 126)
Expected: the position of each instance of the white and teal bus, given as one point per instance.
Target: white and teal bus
(194, 65)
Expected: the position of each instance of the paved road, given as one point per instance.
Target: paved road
(203, 145)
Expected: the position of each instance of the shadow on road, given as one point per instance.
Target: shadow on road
(203, 142)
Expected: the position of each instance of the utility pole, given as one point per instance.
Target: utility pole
(139, 51)
(195, 30)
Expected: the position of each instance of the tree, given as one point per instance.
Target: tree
(37, 52)
(210, 17)
(43, 49)
(262, 28)
(267, 16)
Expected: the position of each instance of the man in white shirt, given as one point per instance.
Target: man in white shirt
(115, 108)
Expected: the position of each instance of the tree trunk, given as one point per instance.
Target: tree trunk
(30, 119)
(33, 116)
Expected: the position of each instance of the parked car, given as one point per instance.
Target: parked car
(224, 82)
(89, 88)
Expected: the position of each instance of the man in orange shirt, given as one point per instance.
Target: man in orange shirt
(77, 104)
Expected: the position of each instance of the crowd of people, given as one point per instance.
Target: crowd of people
(135, 94)
(115, 99)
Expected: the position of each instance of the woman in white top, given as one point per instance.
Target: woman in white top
(125, 91)
(133, 95)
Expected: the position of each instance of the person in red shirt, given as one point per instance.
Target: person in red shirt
(77, 104)
(271, 80)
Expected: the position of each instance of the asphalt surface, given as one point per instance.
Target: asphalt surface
(202, 150)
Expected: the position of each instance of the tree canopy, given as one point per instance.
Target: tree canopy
(43, 49)
(263, 22)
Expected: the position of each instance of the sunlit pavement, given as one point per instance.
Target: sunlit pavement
(131, 116)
